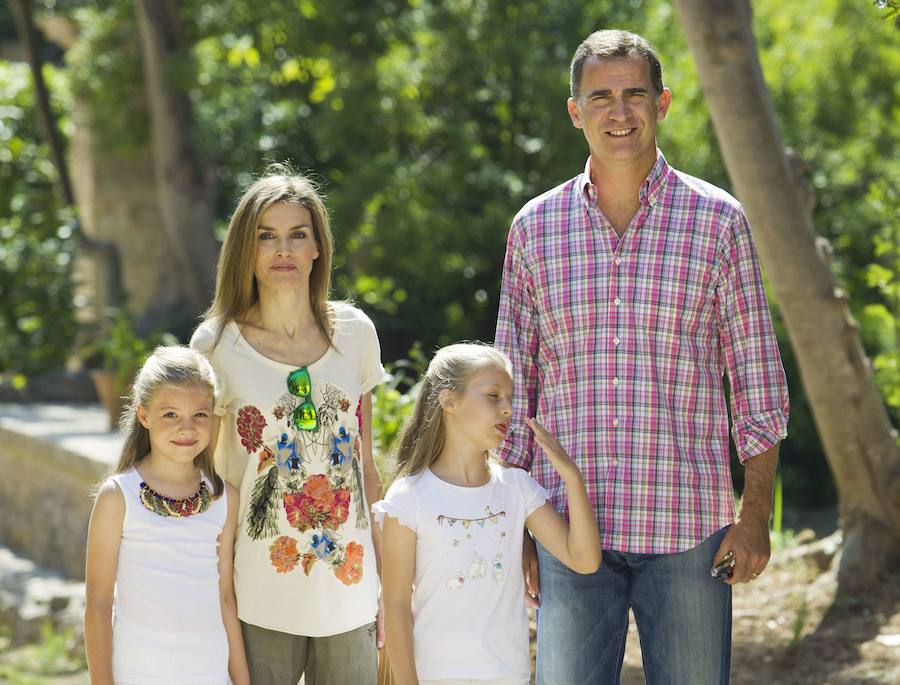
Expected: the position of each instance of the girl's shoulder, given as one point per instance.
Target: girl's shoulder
(512, 476)
(405, 486)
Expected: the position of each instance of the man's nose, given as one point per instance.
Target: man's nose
(618, 109)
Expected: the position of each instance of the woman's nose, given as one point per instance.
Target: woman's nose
(284, 246)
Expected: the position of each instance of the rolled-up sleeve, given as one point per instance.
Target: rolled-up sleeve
(517, 336)
(759, 394)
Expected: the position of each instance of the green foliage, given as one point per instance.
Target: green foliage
(429, 124)
(392, 405)
(56, 654)
(36, 242)
(106, 73)
(118, 347)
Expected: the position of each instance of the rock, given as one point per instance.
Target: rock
(31, 595)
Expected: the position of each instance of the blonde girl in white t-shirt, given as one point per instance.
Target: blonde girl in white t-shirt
(160, 601)
(453, 527)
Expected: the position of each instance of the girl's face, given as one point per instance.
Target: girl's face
(179, 420)
(481, 411)
(285, 247)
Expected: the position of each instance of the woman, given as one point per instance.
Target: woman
(295, 411)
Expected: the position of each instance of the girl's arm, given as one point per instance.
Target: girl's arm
(576, 543)
(237, 658)
(104, 537)
(399, 568)
(372, 484)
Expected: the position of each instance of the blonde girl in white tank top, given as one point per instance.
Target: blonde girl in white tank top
(160, 600)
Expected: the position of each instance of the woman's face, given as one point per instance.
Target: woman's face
(285, 247)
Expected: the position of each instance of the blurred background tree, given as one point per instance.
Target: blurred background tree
(429, 124)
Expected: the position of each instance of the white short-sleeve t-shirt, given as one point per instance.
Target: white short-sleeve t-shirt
(304, 560)
(469, 616)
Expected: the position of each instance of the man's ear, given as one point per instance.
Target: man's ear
(447, 400)
(662, 104)
(142, 416)
(574, 114)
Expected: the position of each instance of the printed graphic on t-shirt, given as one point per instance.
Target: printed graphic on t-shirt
(317, 504)
(477, 567)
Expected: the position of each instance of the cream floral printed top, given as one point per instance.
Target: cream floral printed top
(304, 560)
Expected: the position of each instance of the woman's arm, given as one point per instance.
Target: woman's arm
(104, 538)
(374, 492)
(576, 543)
(237, 658)
(399, 566)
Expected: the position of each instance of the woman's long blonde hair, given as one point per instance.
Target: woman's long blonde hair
(173, 365)
(236, 288)
(452, 367)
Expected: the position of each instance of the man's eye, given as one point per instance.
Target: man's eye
(170, 415)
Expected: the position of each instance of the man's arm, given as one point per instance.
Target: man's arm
(517, 336)
(759, 400)
(748, 538)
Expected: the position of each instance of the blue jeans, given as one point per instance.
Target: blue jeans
(683, 618)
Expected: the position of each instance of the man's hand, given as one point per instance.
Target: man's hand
(749, 540)
(531, 572)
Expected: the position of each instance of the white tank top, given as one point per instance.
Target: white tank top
(167, 617)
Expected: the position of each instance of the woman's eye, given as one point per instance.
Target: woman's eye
(266, 236)
(169, 415)
(298, 234)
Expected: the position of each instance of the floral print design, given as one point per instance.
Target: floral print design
(351, 571)
(316, 505)
(250, 424)
(283, 554)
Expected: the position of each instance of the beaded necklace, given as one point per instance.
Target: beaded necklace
(167, 506)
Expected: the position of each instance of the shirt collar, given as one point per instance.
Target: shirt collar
(650, 188)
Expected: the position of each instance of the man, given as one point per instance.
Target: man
(628, 292)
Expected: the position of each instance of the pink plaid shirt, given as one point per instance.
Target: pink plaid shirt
(619, 346)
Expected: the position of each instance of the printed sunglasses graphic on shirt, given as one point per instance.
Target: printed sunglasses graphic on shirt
(299, 384)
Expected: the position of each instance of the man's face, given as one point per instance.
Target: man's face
(617, 108)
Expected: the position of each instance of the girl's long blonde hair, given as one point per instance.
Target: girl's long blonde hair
(236, 288)
(452, 367)
(174, 365)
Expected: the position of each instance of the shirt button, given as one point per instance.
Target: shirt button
(615, 381)
(617, 301)
(615, 422)
(616, 341)
(618, 261)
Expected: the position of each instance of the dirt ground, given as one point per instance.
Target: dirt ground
(788, 630)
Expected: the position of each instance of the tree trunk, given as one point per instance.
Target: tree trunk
(103, 253)
(860, 445)
(185, 195)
